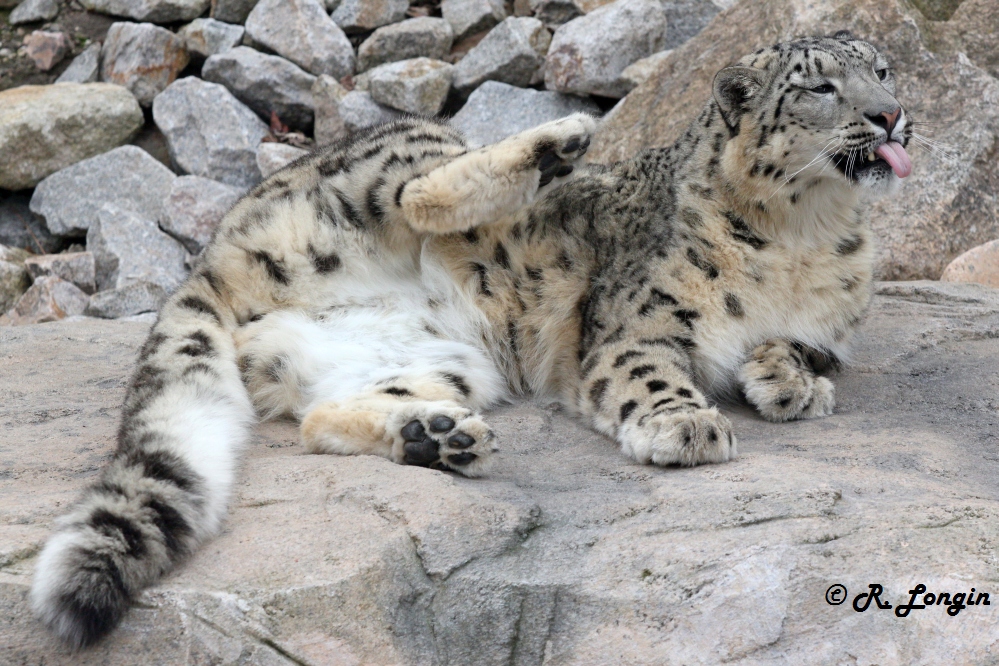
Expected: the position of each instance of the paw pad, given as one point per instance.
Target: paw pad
(434, 444)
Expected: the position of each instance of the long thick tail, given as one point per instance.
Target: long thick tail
(185, 418)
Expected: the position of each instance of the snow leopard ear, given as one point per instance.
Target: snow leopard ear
(734, 89)
(843, 34)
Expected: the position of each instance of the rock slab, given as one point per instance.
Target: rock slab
(132, 299)
(265, 83)
(129, 249)
(273, 157)
(567, 553)
(47, 128)
(498, 110)
(85, 67)
(302, 32)
(48, 299)
(356, 16)
(127, 177)
(30, 11)
(468, 17)
(194, 207)
(588, 54)
(419, 37)
(512, 52)
(209, 132)
(418, 85)
(46, 49)
(979, 265)
(153, 11)
(76, 267)
(206, 37)
(142, 57)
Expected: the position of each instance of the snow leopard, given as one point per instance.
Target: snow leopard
(386, 289)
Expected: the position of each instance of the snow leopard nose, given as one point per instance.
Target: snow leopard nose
(885, 119)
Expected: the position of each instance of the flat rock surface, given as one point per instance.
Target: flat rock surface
(567, 553)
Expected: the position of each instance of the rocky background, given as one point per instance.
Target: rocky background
(128, 127)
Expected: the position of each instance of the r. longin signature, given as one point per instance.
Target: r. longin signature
(920, 599)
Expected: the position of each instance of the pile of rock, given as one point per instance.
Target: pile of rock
(219, 94)
(232, 90)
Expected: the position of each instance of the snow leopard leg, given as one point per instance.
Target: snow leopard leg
(186, 416)
(642, 394)
(385, 382)
(487, 184)
(779, 380)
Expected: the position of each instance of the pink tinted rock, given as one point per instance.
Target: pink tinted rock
(46, 49)
(49, 299)
(979, 264)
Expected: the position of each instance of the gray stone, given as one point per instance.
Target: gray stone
(327, 93)
(685, 19)
(498, 110)
(210, 132)
(418, 85)
(979, 265)
(132, 299)
(232, 11)
(128, 248)
(511, 53)
(14, 255)
(301, 31)
(567, 552)
(194, 208)
(142, 57)
(20, 228)
(154, 11)
(206, 37)
(273, 157)
(46, 49)
(127, 177)
(76, 267)
(30, 11)
(419, 37)
(468, 17)
(364, 15)
(48, 299)
(555, 13)
(642, 70)
(85, 67)
(266, 84)
(47, 128)
(14, 281)
(588, 54)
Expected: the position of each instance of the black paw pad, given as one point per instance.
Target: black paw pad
(460, 441)
(572, 146)
(563, 171)
(413, 431)
(441, 424)
(461, 458)
(421, 453)
(548, 161)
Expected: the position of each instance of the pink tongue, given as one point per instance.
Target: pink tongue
(894, 154)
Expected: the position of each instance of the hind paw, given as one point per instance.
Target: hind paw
(560, 143)
(444, 438)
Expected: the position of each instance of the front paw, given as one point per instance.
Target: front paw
(682, 438)
(781, 393)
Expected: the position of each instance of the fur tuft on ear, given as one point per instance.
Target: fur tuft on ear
(734, 88)
(843, 34)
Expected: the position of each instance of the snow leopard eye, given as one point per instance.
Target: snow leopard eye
(882, 73)
(824, 89)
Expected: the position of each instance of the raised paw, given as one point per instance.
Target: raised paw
(682, 438)
(454, 438)
(560, 143)
(783, 391)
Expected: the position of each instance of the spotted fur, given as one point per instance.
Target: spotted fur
(385, 289)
